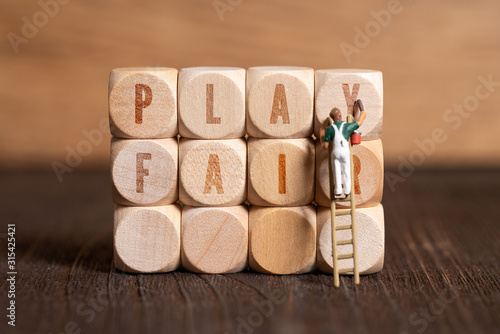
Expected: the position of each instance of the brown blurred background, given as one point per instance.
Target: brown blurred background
(432, 54)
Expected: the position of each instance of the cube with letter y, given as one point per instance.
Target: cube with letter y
(143, 102)
(340, 88)
(280, 102)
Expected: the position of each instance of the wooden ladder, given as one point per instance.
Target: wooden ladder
(340, 212)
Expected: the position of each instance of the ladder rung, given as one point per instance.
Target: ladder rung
(343, 227)
(344, 242)
(345, 256)
(347, 270)
(342, 212)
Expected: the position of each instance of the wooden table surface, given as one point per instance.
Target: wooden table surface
(441, 275)
(432, 55)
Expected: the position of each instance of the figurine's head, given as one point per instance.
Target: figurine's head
(336, 114)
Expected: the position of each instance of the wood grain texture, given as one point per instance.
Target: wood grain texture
(280, 101)
(282, 240)
(147, 239)
(65, 67)
(212, 172)
(368, 161)
(215, 240)
(439, 247)
(143, 102)
(212, 102)
(280, 172)
(340, 88)
(370, 240)
(144, 171)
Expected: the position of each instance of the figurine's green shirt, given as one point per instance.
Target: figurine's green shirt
(347, 130)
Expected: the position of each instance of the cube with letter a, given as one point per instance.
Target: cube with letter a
(212, 172)
(280, 102)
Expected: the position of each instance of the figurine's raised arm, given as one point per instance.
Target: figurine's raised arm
(327, 131)
(358, 106)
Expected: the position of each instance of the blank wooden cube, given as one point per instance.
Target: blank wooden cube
(215, 240)
(282, 240)
(147, 239)
(212, 102)
(368, 161)
(212, 172)
(280, 172)
(341, 88)
(370, 240)
(143, 102)
(280, 102)
(144, 171)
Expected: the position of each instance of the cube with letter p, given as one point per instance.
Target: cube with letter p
(143, 102)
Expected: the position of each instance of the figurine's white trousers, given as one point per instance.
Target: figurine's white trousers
(342, 169)
(341, 163)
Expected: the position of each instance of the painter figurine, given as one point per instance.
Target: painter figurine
(340, 166)
(339, 132)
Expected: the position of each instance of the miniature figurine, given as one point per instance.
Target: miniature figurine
(340, 163)
(339, 132)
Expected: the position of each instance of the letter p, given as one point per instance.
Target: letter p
(143, 98)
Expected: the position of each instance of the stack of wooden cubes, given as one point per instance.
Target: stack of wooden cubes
(213, 169)
(216, 169)
(341, 88)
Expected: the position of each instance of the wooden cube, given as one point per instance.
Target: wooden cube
(212, 172)
(144, 171)
(215, 240)
(370, 240)
(143, 102)
(280, 172)
(282, 240)
(280, 102)
(368, 161)
(341, 88)
(212, 102)
(147, 239)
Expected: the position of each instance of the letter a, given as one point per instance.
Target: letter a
(280, 107)
(213, 177)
